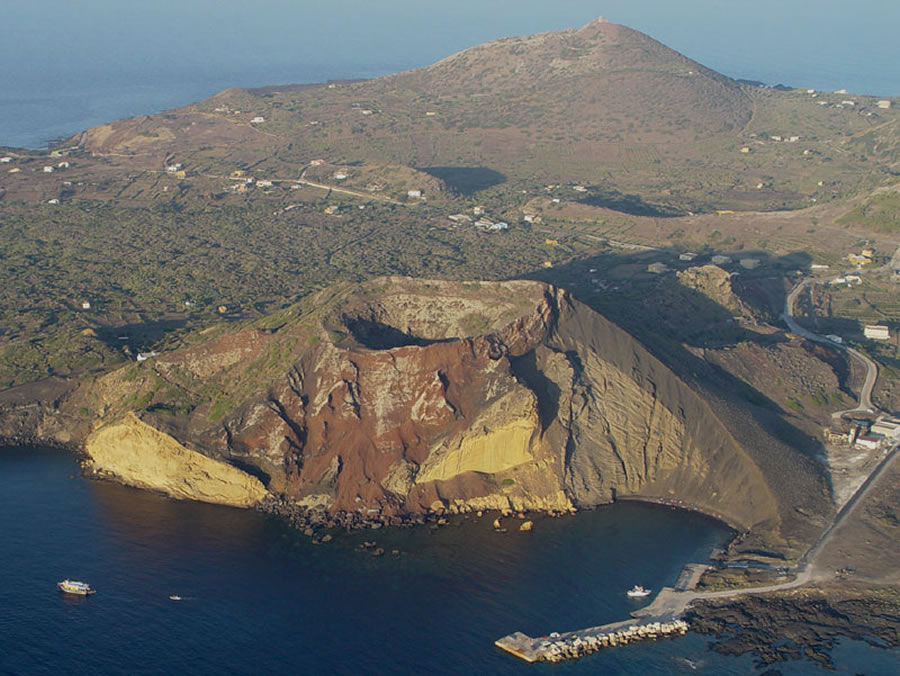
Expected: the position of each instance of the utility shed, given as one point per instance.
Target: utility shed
(877, 332)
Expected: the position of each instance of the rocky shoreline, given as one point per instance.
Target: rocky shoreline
(802, 624)
(322, 526)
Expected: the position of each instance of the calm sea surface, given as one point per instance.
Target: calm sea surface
(259, 599)
(66, 66)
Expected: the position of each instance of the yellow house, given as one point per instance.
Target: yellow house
(551, 242)
(222, 309)
(181, 173)
(745, 149)
(238, 173)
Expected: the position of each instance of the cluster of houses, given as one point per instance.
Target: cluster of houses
(479, 219)
(864, 433)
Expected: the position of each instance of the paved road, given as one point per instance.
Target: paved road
(865, 394)
(670, 604)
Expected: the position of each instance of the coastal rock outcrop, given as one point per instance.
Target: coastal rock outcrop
(142, 456)
(402, 395)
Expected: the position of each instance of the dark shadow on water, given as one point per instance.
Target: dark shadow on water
(466, 180)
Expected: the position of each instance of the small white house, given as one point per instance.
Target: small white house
(53, 201)
(499, 225)
(877, 332)
(872, 441)
(63, 165)
(85, 305)
(579, 188)
(341, 176)
(478, 211)
(259, 119)
(415, 194)
(48, 170)
(264, 184)
(144, 356)
(835, 338)
(884, 103)
(687, 256)
(719, 259)
(7, 160)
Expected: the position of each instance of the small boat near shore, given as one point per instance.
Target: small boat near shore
(637, 591)
(175, 597)
(74, 587)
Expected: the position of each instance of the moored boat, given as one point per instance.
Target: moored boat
(74, 587)
(638, 591)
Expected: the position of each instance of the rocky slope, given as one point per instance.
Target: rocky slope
(402, 395)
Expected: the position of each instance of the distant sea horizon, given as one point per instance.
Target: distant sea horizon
(109, 65)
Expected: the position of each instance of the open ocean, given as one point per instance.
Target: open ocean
(260, 599)
(66, 66)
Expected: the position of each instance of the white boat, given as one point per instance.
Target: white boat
(74, 587)
(637, 591)
(175, 597)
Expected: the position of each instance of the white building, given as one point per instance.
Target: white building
(869, 440)
(884, 103)
(264, 184)
(415, 194)
(835, 339)
(53, 201)
(687, 256)
(144, 356)
(5, 160)
(749, 263)
(86, 305)
(877, 332)
(172, 168)
(340, 176)
(48, 170)
(719, 259)
(259, 119)
(657, 268)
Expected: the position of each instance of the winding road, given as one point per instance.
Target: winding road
(865, 393)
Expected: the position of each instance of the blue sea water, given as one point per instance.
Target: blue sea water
(260, 599)
(66, 66)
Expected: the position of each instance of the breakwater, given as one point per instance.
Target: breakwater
(660, 619)
(575, 644)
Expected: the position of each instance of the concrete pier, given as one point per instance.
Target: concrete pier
(575, 644)
(662, 618)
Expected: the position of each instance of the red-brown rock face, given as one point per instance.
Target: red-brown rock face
(402, 395)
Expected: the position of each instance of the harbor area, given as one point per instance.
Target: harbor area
(660, 619)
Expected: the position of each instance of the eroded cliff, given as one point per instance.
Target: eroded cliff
(403, 395)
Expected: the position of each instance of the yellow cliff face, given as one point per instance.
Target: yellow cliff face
(499, 439)
(142, 456)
